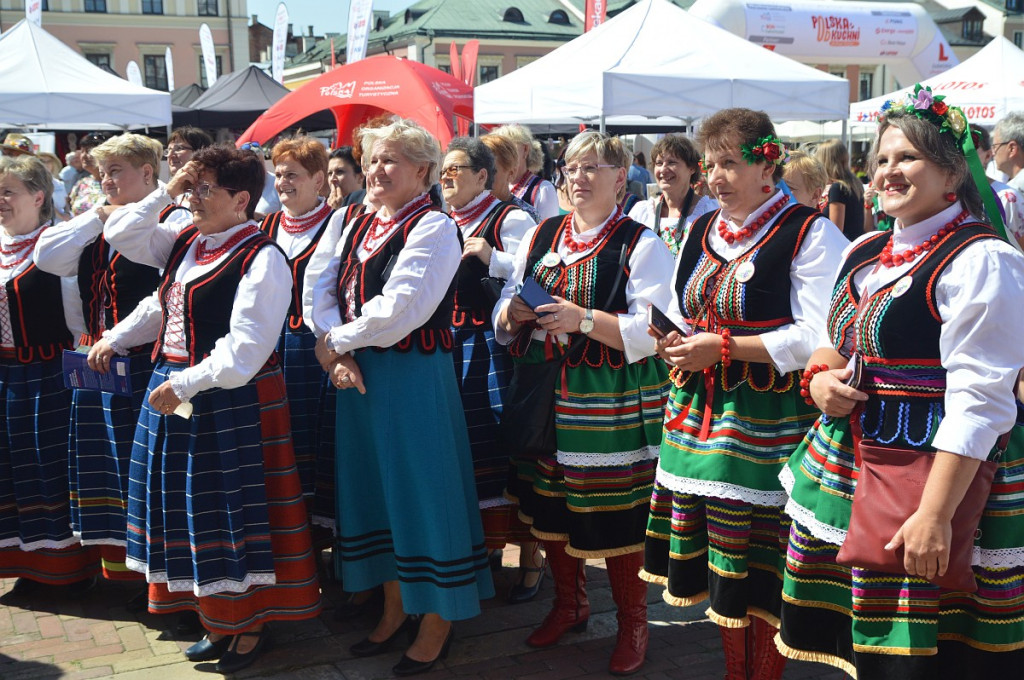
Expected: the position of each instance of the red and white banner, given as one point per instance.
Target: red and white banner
(596, 13)
(209, 57)
(34, 11)
(279, 44)
(169, 66)
(469, 58)
(359, 14)
(133, 74)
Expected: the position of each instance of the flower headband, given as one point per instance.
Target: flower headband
(769, 148)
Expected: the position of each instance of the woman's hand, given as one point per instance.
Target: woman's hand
(694, 353)
(477, 247)
(926, 541)
(325, 354)
(184, 180)
(564, 316)
(105, 211)
(164, 399)
(99, 357)
(832, 395)
(336, 198)
(345, 373)
(662, 343)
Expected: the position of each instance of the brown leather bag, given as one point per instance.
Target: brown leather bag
(889, 491)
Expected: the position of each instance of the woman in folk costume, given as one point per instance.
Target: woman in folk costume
(930, 308)
(749, 290)
(589, 500)
(407, 507)
(216, 318)
(524, 184)
(37, 545)
(110, 286)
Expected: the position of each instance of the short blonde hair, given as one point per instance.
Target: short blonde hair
(136, 149)
(519, 134)
(808, 167)
(418, 145)
(506, 154)
(609, 149)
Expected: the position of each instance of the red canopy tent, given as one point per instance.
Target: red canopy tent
(357, 92)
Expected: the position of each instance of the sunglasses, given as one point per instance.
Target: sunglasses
(251, 146)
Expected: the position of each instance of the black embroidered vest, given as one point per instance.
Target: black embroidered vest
(472, 306)
(36, 305)
(370, 276)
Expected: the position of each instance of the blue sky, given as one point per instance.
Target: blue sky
(326, 16)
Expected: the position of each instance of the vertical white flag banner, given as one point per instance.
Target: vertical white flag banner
(209, 58)
(169, 67)
(133, 73)
(280, 42)
(359, 13)
(34, 11)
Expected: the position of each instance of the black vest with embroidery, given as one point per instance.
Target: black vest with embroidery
(271, 226)
(586, 282)
(369, 277)
(897, 335)
(711, 296)
(35, 302)
(472, 306)
(530, 190)
(209, 298)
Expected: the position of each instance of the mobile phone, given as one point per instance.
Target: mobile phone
(858, 371)
(661, 324)
(534, 296)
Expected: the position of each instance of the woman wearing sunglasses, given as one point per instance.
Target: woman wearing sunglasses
(590, 499)
(216, 318)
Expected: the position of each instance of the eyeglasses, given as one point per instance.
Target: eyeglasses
(570, 171)
(203, 189)
(251, 146)
(995, 147)
(452, 170)
(175, 150)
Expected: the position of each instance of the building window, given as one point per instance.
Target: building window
(96, 5)
(1014, 5)
(46, 6)
(488, 73)
(559, 17)
(972, 29)
(208, 8)
(202, 70)
(447, 68)
(152, 6)
(99, 59)
(154, 71)
(1018, 39)
(513, 15)
(867, 83)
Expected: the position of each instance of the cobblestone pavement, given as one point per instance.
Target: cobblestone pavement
(97, 637)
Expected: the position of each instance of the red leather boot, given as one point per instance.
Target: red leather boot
(571, 609)
(734, 645)
(768, 663)
(630, 595)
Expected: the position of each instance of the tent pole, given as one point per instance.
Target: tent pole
(602, 126)
(847, 142)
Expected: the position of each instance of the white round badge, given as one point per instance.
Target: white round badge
(551, 260)
(902, 286)
(745, 272)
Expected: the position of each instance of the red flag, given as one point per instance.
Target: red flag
(456, 65)
(596, 11)
(333, 62)
(469, 54)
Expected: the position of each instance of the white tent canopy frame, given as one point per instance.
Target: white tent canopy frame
(46, 85)
(655, 64)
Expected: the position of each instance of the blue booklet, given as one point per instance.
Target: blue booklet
(78, 375)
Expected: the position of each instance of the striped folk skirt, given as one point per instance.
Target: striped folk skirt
(407, 504)
(99, 454)
(871, 624)
(216, 518)
(36, 541)
(595, 492)
(311, 400)
(716, 528)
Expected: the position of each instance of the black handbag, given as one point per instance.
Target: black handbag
(527, 428)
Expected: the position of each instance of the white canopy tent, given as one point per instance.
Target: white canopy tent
(655, 64)
(987, 86)
(44, 84)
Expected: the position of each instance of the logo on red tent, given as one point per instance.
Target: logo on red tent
(339, 90)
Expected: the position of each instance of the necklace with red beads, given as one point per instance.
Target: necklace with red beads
(464, 217)
(910, 254)
(298, 225)
(749, 230)
(204, 256)
(24, 247)
(380, 227)
(521, 183)
(574, 246)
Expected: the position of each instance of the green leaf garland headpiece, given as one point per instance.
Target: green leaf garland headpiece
(769, 149)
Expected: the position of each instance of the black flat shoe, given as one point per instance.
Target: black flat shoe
(368, 647)
(232, 662)
(349, 608)
(494, 559)
(408, 666)
(187, 624)
(521, 592)
(204, 650)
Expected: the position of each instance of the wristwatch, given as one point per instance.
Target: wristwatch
(587, 324)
